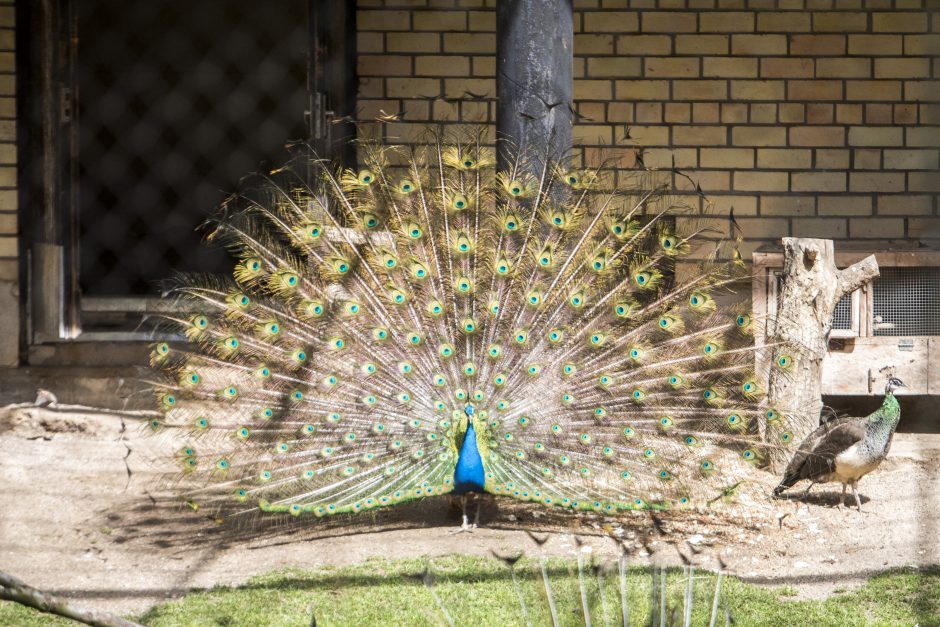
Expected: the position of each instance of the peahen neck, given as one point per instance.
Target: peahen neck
(882, 423)
(469, 475)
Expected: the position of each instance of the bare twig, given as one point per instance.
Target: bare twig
(12, 589)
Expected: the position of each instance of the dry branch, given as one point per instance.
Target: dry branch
(12, 589)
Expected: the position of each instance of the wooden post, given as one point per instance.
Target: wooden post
(534, 57)
(812, 285)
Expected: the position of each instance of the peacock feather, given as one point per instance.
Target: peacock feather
(427, 325)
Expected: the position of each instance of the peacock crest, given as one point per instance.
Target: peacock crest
(378, 318)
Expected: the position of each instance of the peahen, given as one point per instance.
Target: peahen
(845, 449)
(427, 325)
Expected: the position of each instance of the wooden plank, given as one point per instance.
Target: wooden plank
(862, 366)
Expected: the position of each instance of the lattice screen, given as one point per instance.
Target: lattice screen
(178, 100)
(907, 301)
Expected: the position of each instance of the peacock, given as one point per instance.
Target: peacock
(431, 324)
(845, 449)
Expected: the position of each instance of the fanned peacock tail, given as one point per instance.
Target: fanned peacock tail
(372, 315)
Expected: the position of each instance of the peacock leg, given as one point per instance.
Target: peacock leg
(806, 491)
(858, 501)
(842, 500)
(465, 526)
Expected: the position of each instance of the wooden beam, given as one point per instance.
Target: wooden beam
(534, 57)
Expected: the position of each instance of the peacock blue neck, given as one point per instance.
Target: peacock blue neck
(469, 475)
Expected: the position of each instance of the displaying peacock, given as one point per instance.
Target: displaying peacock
(427, 325)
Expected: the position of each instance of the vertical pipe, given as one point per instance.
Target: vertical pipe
(534, 57)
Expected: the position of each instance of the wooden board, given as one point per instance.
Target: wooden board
(862, 366)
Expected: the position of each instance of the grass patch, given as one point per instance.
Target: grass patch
(479, 591)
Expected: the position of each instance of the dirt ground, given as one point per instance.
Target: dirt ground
(81, 515)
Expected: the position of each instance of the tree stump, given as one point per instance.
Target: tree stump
(812, 286)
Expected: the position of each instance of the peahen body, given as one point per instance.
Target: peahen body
(845, 449)
(428, 325)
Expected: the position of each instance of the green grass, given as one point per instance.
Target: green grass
(479, 591)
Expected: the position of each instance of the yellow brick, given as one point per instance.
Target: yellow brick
(922, 182)
(481, 43)
(620, 112)
(902, 68)
(833, 159)
(763, 113)
(413, 42)
(7, 130)
(895, 204)
(442, 66)
(908, 22)
(720, 204)
(737, 158)
(614, 67)
(365, 43)
(761, 181)
(726, 22)
(8, 200)
(445, 111)
(814, 90)
(649, 112)
(475, 111)
(839, 22)
(783, 21)
(706, 112)
(637, 45)
(708, 180)
(873, 90)
(484, 66)
(592, 134)
(7, 17)
(651, 135)
(611, 22)
(843, 205)
(818, 181)
(656, 67)
(593, 44)
(375, 65)
(699, 135)
(482, 21)
(7, 39)
(817, 136)
(921, 90)
(878, 228)
(702, 44)
(758, 136)
(782, 67)
(792, 112)
(8, 247)
(729, 67)
(784, 159)
(8, 223)
(877, 182)
(668, 22)
(870, 45)
(700, 90)
(413, 87)
(440, 20)
(787, 205)
(462, 87)
(592, 90)
(383, 20)
(733, 112)
(876, 136)
(642, 90)
(829, 228)
(846, 67)
(758, 44)
(817, 45)
(757, 90)
(677, 112)
(911, 160)
(923, 228)
(371, 109)
(7, 85)
(928, 45)
(753, 228)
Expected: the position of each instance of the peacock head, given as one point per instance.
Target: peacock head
(893, 384)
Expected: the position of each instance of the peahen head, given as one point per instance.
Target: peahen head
(893, 384)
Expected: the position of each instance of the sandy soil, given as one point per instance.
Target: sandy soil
(81, 515)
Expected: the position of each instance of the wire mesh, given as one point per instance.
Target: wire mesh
(842, 314)
(177, 102)
(906, 301)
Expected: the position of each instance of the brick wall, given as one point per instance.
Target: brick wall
(9, 268)
(810, 118)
